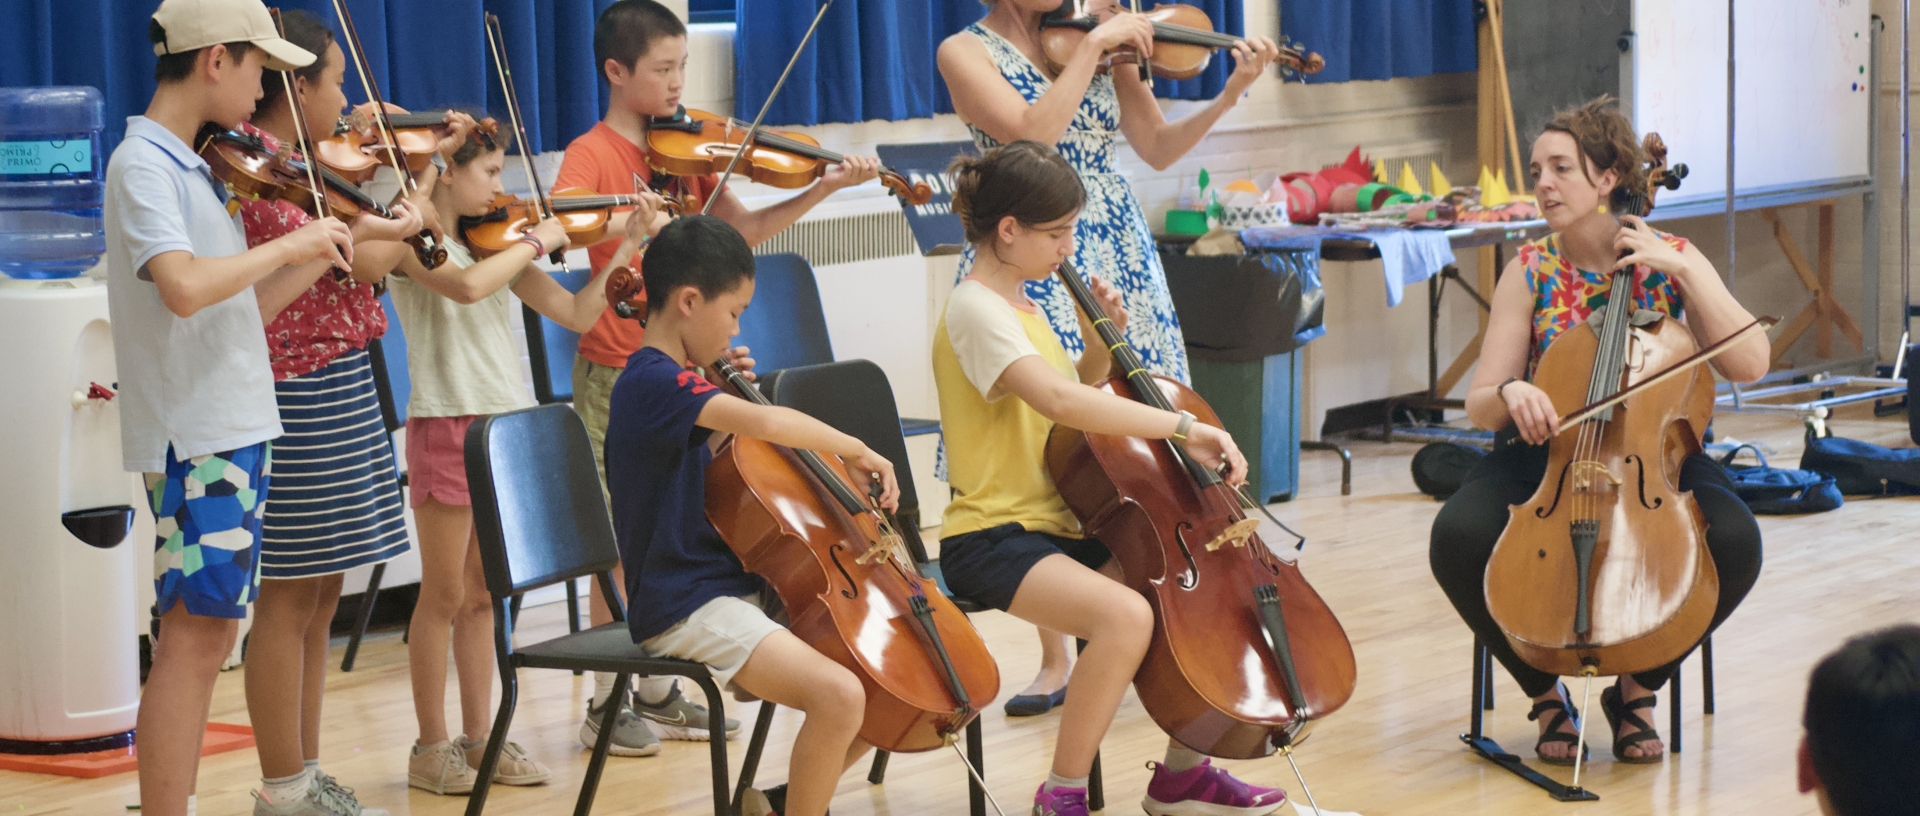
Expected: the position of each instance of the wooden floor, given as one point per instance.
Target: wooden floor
(1391, 750)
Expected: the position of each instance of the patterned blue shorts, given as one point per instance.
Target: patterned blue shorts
(207, 532)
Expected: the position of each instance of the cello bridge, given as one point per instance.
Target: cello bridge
(1236, 534)
(1588, 474)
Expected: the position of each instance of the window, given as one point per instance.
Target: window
(710, 11)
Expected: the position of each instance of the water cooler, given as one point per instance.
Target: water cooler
(69, 657)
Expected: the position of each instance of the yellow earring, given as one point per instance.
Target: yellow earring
(1603, 206)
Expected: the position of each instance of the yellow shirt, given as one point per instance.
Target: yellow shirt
(996, 443)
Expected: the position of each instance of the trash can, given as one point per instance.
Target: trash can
(1244, 318)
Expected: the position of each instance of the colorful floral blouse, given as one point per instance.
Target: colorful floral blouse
(1563, 297)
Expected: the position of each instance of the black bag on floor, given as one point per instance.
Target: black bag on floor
(1773, 491)
(1863, 468)
(1441, 467)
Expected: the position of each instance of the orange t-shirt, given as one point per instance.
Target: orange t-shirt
(605, 162)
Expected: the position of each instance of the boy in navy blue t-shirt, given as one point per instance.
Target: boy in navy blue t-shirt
(689, 596)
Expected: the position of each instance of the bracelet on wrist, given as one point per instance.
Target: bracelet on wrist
(1500, 390)
(1186, 424)
(539, 246)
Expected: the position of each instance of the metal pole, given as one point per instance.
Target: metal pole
(1906, 166)
(1732, 249)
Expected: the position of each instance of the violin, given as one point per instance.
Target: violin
(698, 143)
(356, 148)
(250, 170)
(584, 213)
(1245, 655)
(1183, 42)
(1605, 570)
(850, 588)
(627, 293)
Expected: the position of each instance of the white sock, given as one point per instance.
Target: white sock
(602, 687)
(652, 691)
(193, 804)
(1055, 780)
(313, 768)
(1181, 759)
(285, 790)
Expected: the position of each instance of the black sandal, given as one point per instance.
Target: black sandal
(1563, 712)
(1617, 710)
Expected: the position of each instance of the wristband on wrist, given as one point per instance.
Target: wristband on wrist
(1501, 389)
(539, 246)
(1186, 424)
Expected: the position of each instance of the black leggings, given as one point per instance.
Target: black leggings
(1470, 524)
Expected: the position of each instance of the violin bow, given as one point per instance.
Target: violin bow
(746, 142)
(543, 206)
(321, 207)
(1708, 353)
(360, 65)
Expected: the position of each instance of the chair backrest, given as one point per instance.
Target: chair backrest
(855, 398)
(537, 506)
(390, 377)
(551, 346)
(786, 326)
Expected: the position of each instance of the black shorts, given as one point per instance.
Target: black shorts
(987, 566)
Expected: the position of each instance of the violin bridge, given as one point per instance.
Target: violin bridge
(1238, 534)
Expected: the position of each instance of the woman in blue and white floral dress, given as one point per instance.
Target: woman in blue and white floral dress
(995, 71)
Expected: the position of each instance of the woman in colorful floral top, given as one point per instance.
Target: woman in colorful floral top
(1583, 164)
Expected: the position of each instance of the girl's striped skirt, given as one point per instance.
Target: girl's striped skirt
(334, 502)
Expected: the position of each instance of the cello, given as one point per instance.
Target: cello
(851, 589)
(1605, 570)
(1245, 655)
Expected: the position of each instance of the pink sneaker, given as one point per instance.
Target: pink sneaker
(1060, 802)
(1204, 790)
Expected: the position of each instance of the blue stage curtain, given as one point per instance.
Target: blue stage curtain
(1382, 39)
(874, 59)
(423, 54)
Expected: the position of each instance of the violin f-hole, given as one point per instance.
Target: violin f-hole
(1192, 578)
(853, 589)
(1558, 488)
(1642, 463)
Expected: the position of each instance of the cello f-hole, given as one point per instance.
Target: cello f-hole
(1192, 578)
(1642, 463)
(1559, 488)
(853, 589)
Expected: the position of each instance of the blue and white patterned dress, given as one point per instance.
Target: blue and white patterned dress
(1112, 239)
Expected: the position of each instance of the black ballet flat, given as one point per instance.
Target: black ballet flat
(1034, 705)
(1562, 713)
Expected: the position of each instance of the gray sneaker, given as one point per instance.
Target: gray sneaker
(321, 800)
(342, 792)
(631, 737)
(681, 719)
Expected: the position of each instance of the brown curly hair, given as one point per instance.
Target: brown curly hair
(1607, 142)
(1025, 179)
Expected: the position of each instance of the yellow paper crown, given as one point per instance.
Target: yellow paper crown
(1408, 183)
(1441, 186)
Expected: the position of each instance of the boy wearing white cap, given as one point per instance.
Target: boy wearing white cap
(197, 410)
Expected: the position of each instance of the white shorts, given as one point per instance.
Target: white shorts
(721, 634)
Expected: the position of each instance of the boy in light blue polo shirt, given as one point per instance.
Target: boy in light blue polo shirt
(197, 410)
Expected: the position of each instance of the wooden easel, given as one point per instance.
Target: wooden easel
(1824, 313)
(1499, 144)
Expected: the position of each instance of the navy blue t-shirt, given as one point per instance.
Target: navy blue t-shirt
(657, 480)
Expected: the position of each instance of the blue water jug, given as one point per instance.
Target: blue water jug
(52, 181)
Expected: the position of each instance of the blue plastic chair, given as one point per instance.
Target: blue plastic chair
(551, 347)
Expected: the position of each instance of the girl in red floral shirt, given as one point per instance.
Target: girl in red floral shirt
(335, 500)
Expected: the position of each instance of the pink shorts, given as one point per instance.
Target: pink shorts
(437, 461)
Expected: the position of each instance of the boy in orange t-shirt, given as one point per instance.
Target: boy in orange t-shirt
(642, 49)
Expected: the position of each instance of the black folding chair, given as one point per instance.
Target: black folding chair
(541, 519)
(855, 398)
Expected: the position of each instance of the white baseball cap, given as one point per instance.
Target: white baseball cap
(194, 24)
